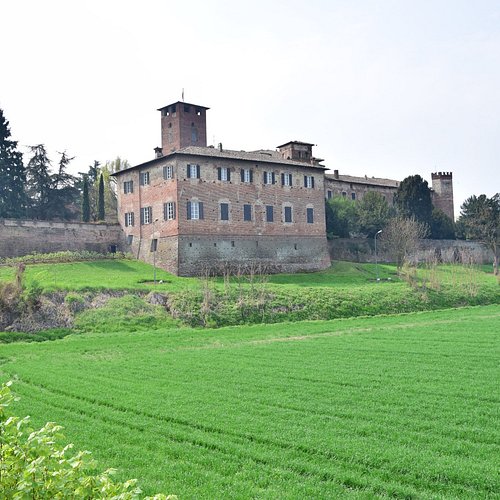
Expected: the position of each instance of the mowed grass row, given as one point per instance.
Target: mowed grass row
(402, 406)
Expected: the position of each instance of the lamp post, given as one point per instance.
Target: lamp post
(155, 244)
(376, 255)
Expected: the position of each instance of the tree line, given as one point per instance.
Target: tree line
(412, 213)
(40, 189)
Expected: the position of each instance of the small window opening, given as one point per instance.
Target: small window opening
(232, 243)
(295, 246)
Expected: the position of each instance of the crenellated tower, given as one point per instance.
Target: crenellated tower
(442, 192)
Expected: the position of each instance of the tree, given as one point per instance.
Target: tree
(413, 199)
(480, 219)
(401, 236)
(64, 195)
(100, 199)
(39, 183)
(12, 175)
(373, 213)
(442, 227)
(340, 217)
(85, 201)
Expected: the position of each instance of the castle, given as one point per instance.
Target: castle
(196, 207)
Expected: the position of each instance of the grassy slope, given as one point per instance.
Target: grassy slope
(402, 405)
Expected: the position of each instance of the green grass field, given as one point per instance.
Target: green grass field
(402, 406)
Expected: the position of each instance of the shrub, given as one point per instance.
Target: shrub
(34, 465)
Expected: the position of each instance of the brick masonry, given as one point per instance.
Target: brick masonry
(363, 250)
(23, 237)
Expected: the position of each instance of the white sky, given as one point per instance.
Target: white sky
(386, 88)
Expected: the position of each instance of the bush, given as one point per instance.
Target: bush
(34, 465)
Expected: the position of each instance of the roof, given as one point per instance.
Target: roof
(260, 156)
(296, 142)
(372, 181)
(185, 103)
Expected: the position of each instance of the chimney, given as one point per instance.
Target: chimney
(220, 146)
(336, 174)
(158, 152)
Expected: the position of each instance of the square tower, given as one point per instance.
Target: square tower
(442, 192)
(183, 124)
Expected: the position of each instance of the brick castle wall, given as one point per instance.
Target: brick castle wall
(23, 237)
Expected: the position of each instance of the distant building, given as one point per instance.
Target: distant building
(195, 207)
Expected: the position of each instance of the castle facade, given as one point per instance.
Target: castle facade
(196, 208)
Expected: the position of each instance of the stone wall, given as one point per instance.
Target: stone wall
(363, 250)
(23, 237)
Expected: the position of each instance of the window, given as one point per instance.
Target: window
(193, 171)
(169, 210)
(247, 212)
(144, 178)
(130, 239)
(329, 194)
(194, 210)
(154, 244)
(194, 134)
(344, 194)
(353, 196)
(129, 219)
(246, 175)
(224, 211)
(269, 178)
(146, 215)
(224, 174)
(286, 179)
(168, 172)
(310, 215)
(186, 108)
(309, 181)
(287, 214)
(269, 213)
(128, 187)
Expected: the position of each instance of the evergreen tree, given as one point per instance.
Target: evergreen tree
(12, 175)
(64, 195)
(85, 201)
(341, 217)
(39, 183)
(413, 199)
(442, 227)
(100, 199)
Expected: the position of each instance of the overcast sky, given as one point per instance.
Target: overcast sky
(386, 88)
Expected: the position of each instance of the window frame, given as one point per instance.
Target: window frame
(168, 172)
(288, 214)
(247, 212)
(128, 186)
(169, 210)
(144, 178)
(269, 213)
(224, 211)
(146, 215)
(310, 215)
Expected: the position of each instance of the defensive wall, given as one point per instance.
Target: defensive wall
(23, 237)
(363, 250)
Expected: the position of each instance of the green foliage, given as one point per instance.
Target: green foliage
(413, 199)
(480, 220)
(63, 256)
(129, 312)
(401, 406)
(373, 213)
(34, 464)
(12, 174)
(442, 227)
(341, 217)
(85, 201)
(100, 200)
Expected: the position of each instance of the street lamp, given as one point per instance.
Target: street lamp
(376, 255)
(155, 244)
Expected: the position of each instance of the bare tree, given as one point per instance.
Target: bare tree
(401, 237)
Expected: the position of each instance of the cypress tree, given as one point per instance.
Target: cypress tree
(100, 199)
(85, 201)
(12, 175)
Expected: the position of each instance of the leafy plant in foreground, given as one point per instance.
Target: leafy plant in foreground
(34, 465)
